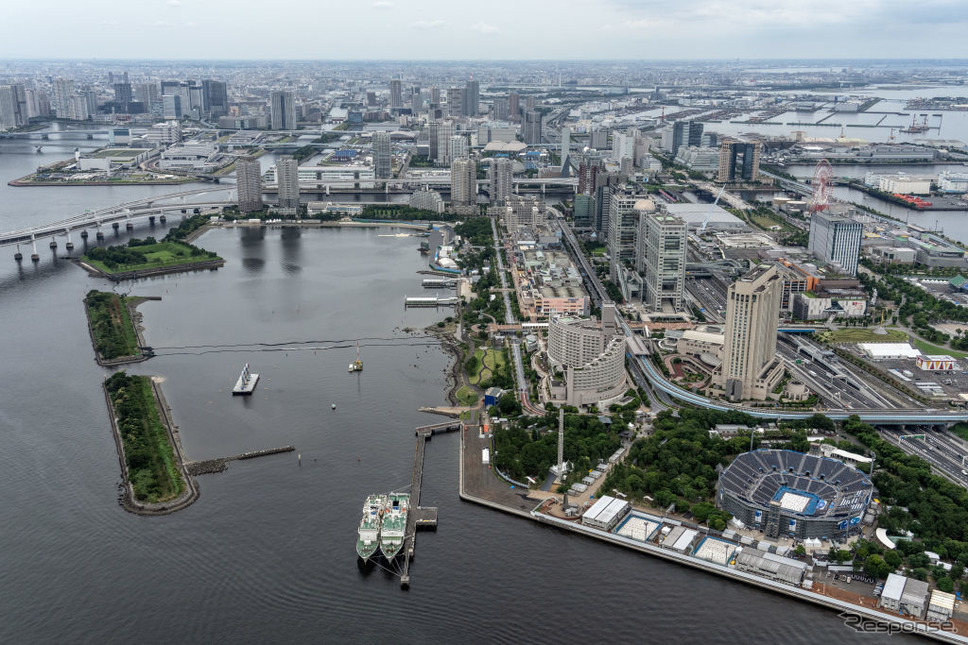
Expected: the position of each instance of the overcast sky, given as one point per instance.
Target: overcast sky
(486, 29)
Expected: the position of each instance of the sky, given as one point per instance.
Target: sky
(483, 30)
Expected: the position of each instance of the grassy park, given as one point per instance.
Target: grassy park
(111, 326)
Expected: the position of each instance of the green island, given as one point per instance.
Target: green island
(112, 329)
(149, 255)
(148, 454)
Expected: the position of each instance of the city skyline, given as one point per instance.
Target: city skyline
(608, 30)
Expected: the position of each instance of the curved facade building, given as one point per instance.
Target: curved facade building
(788, 493)
(591, 356)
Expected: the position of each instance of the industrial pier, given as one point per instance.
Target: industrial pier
(410, 301)
(420, 517)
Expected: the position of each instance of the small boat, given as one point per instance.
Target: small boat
(333, 405)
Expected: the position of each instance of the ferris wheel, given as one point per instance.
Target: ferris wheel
(822, 175)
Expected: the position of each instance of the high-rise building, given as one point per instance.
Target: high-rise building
(382, 157)
(371, 99)
(531, 128)
(13, 106)
(686, 133)
(584, 213)
(287, 179)
(416, 99)
(248, 174)
(282, 110)
(739, 160)
(396, 94)
(529, 104)
(750, 369)
(472, 98)
(445, 130)
(623, 145)
(435, 97)
(148, 94)
(591, 357)
(428, 200)
(514, 107)
(501, 109)
(123, 93)
(623, 220)
(565, 151)
(501, 180)
(836, 240)
(63, 90)
(463, 186)
(215, 98)
(661, 257)
(458, 147)
(455, 102)
(171, 106)
(598, 139)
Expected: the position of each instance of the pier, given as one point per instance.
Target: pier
(420, 517)
(217, 465)
(409, 301)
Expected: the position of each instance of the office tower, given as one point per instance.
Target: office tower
(371, 99)
(501, 109)
(606, 185)
(248, 176)
(396, 94)
(686, 133)
(463, 186)
(623, 225)
(531, 128)
(123, 94)
(565, 152)
(215, 98)
(435, 97)
(147, 93)
(750, 369)
(382, 157)
(63, 90)
(588, 168)
(836, 240)
(416, 99)
(661, 258)
(433, 152)
(287, 179)
(283, 111)
(455, 102)
(514, 107)
(472, 98)
(598, 139)
(529, 104)
(501, 181)
(584, 213)
(739, 160)
(171, 106)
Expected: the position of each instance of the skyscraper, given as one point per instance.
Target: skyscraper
(215, 99)
(750, 369)
(531, 128)
(455, 102)
(416, 99)
(248, 174)
(501, 109)
(283, 110)
(172, 106)
(661, 257)
(472, 98)
(13, 106)
(739, 160)
(63, 89)
(501, 181)
(445, 130)
(686, 133)
(458, 147)
(623, 224)
(396, 94)
(514, 107)
(382, 157)
(463, 186)
(565, 151)
(287, 179)
(836, 240)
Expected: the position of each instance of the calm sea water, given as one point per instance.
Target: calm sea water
(267, 553)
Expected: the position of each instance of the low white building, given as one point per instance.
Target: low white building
(606, 513)
(888, 351)
(905, 185)
(941, 606)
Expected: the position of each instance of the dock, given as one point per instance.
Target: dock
(246, 383)
(420, 517)
(439, 283)
(410, 301)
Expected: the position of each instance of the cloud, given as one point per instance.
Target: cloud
(484, 28)
(382, 4)
(428, 24)
(174, 3)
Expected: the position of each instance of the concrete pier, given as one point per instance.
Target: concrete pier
(209, 466)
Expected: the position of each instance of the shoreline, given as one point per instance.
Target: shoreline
(899, 624)
(211, 265)
(131, 304)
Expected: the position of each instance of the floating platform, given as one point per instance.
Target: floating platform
(430, 302)
(246, 383)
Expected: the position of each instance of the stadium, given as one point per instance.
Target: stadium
(788, 493)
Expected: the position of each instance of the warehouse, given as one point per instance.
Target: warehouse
(906, 596)
(772, 566)
(941, 606)
(888, 351)
(716, 218)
